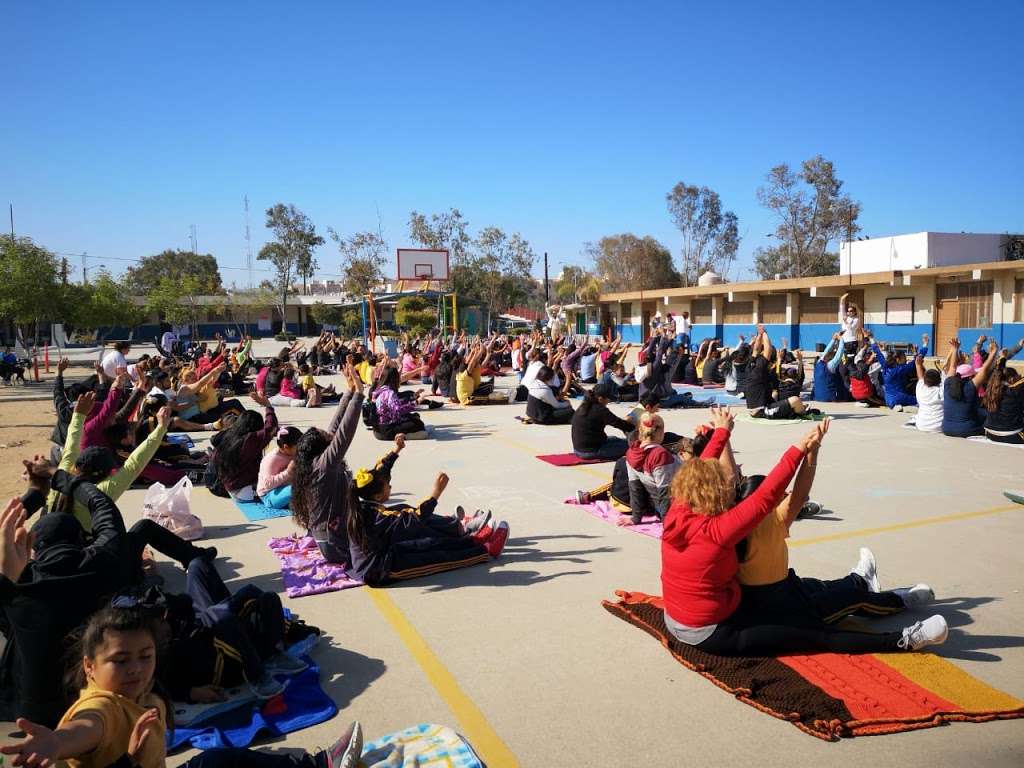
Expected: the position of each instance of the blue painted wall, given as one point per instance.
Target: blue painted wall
(630, 333)
(704, 331)
(905, 334)
(730, 333)
(1011, 334)
(810, 334)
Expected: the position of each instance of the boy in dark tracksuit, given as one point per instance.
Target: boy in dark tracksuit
(388, 543)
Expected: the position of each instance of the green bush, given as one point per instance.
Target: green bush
(284, 337)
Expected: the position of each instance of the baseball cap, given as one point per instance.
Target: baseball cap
(965, 371)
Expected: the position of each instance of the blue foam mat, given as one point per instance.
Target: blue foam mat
(255, 511)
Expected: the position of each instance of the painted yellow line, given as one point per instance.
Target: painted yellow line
(472, 723)
(904, 526)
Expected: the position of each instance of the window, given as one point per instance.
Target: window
(976, 304)
(1018, 300)
(899, 311)
(819, 309)
(626, 312)
(773, 308)
(700, 312)
(739, 312)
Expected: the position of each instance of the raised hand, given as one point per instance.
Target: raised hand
(259, 398)
(15, 541)
(38, 472)
(142, 731)
(63, 364)
(39, 749)
(85, 402)
(722, 417)
(164, 416)
(399, 442)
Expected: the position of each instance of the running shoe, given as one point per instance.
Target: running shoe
(931, 631)
(496, 543)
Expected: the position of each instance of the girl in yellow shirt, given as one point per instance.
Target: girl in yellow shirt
(118, 722)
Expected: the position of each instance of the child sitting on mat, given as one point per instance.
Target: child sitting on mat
(274, 485)
(389, 543)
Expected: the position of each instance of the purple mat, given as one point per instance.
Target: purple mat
(304, 570)
(649, 526)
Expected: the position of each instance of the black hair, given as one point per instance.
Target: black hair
(932, 377)
(390, 378)
(94, 635)
(229, 449)
(291, 436)
(956, 387)
(304, 369)
(545, 373)
(700, 442)
(307, 451)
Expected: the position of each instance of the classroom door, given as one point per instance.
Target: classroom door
(947, 322)
(645, 327)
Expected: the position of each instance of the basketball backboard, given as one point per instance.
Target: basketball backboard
(422, 264)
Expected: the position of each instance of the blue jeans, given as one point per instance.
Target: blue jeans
(613, 448)
(278, 498)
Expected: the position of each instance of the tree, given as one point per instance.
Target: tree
(710, 237)
(327, 314)
(415, 314)
(291, 251)
(104, 304)
(812, 213)
(448, 231)
(239, 307)
(175, 265)
(570, 282)
(363, 256)
(628, 263)
(176, 301)
(499, 258)
(31, 291)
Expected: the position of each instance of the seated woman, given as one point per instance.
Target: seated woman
(896, 375)
(274, 484)
(650, 404)
(240, 450)
(961, 414)
(1004, 405)
(761, 384)
(543, 405)
(711, 373)
(469, 388)
(828, 386)
(589, 440)
(770, 586)
(309, 385)
(391, 543)
(396, 415)
(790, 374)
(699, 571)
(651, 466)
(117, 719)
(862, 386)
(321, 493)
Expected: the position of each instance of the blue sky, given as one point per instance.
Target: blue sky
(125, 123)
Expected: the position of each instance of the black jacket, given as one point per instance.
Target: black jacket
(57, 592)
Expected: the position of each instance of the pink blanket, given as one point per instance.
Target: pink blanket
(305, 571)
(649, 526)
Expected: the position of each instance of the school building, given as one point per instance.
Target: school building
(937, 283)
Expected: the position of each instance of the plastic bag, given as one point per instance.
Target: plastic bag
(172, 509)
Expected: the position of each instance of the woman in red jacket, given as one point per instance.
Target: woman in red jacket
(699, 565)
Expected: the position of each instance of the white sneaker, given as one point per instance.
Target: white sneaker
(898, 408)
(867, 569)
(345, 752)
(931, 631)
(916, 596)
(861, 404)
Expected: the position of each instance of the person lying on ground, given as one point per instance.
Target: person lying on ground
(118, 721)
(397, 542)
(702, 594)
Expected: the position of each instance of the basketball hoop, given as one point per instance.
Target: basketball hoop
(419, 268)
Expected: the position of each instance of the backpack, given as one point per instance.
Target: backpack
(370, 417)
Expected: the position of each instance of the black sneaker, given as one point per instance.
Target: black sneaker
(810, 509)
(296, 630)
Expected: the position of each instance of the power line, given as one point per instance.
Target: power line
(219, 266)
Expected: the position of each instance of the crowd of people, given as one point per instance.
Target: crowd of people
(73, 581)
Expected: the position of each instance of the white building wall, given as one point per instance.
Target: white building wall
(875, 296)
(918, 251)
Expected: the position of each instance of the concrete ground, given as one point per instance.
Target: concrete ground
(520, 657)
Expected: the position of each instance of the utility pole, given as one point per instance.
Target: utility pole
(248, 243)
(85, 268)
(11, 206)
(547, 298)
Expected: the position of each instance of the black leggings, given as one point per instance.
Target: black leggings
(791, 617)
(147, 533)
(249, 758)
(406, 426)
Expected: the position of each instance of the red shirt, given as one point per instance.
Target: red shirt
(861, 389)
(698, 552)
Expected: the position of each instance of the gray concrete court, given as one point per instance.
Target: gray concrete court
(521, 656)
